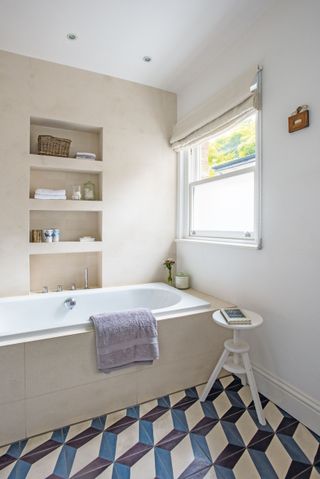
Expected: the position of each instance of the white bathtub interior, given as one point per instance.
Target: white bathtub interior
(25, 316)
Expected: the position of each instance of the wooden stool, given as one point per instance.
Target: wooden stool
(239, 363)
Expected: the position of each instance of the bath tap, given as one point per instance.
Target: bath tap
(86, 278)
(59, 288)
(70, 303)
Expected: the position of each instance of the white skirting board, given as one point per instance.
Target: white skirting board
(295, 402)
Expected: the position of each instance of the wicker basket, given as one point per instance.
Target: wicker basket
(50, 145)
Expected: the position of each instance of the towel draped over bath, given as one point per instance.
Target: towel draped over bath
(124, 338)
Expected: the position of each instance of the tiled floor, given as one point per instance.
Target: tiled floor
(174, 437)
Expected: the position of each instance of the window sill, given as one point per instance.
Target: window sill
(222, 242)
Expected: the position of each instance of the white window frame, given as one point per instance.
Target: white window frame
(187, 172)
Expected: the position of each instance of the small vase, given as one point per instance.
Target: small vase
(169, 280)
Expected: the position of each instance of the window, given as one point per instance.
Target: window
(220, 197)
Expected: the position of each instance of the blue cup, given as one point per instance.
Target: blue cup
(47, 235)
(56, 235)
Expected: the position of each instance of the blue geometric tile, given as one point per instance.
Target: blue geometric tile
(146, 433)
(65, 461)
(200, 444)
(60, 434)
(133, 412)
(209, 410)
(293, 449)
(163, 463)
(15, 450)
(99, 422)
(192, 393)
(108, 446)
(179, 420)
(224, 473)
(20, 470)
(235, 399)
(164, 401)
(200, 448)
(262, 464)
(196, 470)
(120, 471)
(232, 434)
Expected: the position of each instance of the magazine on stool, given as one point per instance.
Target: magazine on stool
(234, 316)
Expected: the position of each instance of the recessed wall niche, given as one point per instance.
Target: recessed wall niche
(63, 262)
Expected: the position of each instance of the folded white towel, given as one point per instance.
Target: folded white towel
(50, 197)
(85, 154)
(46, 191)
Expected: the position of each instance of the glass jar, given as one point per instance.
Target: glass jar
(89, 191)
(182, 281)
(76, 192)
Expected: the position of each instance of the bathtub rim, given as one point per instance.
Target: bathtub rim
(212, 305)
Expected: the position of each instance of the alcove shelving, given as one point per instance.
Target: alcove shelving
(64, 261)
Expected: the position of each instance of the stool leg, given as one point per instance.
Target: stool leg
(243, 378)
(253, 387)
(214, 375)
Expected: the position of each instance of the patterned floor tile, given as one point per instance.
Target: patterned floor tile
(174, 437)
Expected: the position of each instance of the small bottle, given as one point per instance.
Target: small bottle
(89, 191)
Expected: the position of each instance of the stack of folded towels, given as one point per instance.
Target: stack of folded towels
(46, 194)
(83, 155)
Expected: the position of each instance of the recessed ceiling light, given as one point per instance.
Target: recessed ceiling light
(71, 36)
(147, 59)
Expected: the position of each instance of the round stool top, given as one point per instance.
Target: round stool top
(256, 320)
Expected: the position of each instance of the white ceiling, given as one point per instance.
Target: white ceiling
(114, 35)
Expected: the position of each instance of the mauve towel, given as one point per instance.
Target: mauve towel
(124, 338)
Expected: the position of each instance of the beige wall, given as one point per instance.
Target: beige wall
(138, 173)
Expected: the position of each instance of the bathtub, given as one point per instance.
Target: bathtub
(48, 372)
(27, 318)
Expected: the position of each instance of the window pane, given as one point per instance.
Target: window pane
(226, 204)
(229, 150)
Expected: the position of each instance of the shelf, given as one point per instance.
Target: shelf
(43, 162)
(64, 205)
(65, 247)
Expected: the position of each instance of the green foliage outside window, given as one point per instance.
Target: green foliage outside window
(237, 143)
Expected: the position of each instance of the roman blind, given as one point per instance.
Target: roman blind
(225, 107)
